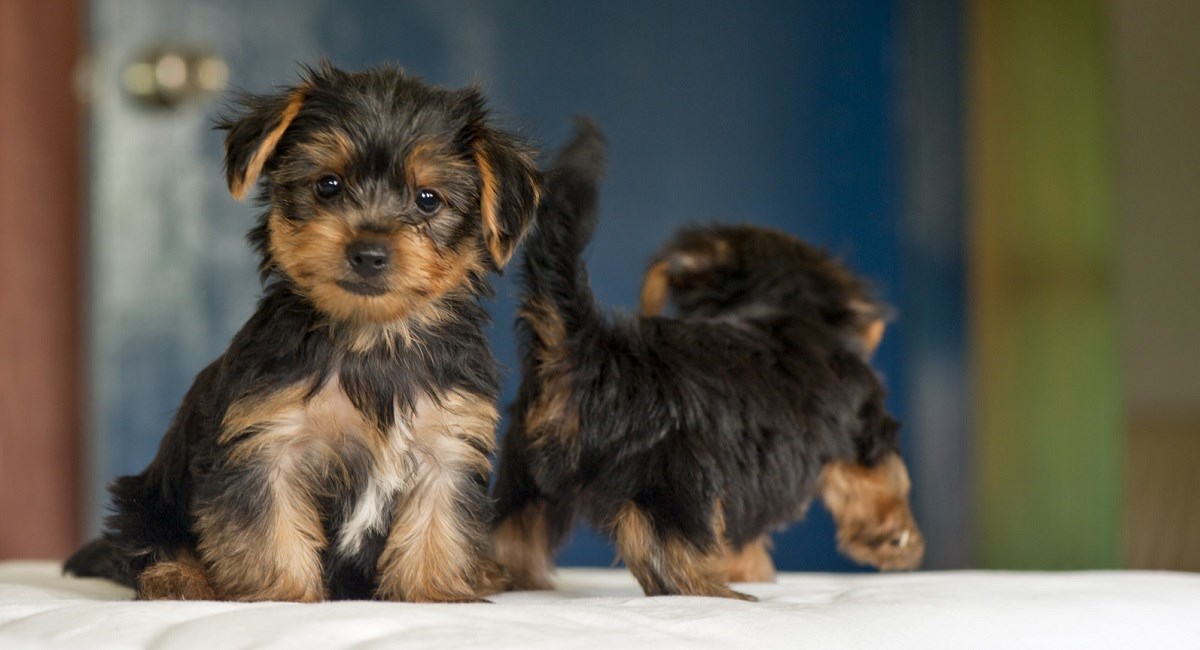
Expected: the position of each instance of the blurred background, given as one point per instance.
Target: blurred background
(1021, 180)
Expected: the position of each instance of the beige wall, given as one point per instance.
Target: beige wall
(1156, 64)
(1156, 61)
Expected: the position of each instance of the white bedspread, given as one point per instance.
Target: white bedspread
(597, 608)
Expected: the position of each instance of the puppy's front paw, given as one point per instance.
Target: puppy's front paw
(870, 505)
(892, 543)
(175, 580)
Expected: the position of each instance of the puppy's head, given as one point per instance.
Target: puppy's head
(748, 272)
(383, 193)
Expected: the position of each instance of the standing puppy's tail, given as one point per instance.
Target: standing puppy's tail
(556, 284)
(558, 309)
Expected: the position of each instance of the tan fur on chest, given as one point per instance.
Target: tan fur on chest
(284, 425)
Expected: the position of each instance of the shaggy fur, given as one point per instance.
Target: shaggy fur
(339, 448)
(689, 438)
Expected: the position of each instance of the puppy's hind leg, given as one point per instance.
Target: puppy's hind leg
(752, 563)
(667, 564)
(529, 526)
(525, 540)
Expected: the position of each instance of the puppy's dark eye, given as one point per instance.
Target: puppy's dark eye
(328, 187)
(428, 201)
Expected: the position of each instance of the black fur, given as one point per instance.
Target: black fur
(741, 398)
(290, 340)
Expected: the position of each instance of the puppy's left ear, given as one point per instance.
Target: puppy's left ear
(510, 187)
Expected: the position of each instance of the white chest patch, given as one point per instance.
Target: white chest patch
(391, 473)
(430, 452)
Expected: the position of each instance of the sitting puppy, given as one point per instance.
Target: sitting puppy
(690, 438)
(340, 447)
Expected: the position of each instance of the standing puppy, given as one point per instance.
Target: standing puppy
(701, 274)
(691, 438)
(339, 447)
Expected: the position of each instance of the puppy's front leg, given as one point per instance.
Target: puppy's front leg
(260, 533)
(436, 543)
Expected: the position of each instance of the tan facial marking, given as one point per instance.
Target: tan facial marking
(312, 253)
(428, 165)
(330, 151)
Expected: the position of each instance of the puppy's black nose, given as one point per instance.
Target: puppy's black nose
(368, 259)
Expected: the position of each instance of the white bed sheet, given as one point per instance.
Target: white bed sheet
(602, 608)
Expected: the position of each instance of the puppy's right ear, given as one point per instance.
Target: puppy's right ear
(252, 136)
(870, 321)
(674, 266)
(656, 289)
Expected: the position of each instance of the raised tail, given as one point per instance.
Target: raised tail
(555, 279)
(557, 310)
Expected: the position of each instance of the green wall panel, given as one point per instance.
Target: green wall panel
(1043, 249)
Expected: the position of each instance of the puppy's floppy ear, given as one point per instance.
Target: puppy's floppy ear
(870, 321)
(252, 136)
(656, 289)
(510, 184)
(510, 187)
(675, 264)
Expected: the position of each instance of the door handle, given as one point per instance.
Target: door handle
(167, 77)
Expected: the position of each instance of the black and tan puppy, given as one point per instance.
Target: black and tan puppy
(690, 438)
(699, 273)
(339, 447)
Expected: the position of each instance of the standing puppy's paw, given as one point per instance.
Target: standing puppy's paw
(870, 505)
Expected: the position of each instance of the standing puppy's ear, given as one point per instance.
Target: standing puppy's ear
(253, 135)
(510, 183)
(870, 321)
(679, 265)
